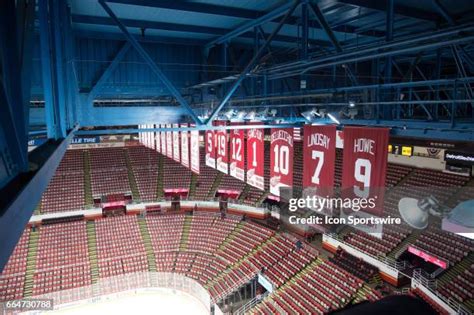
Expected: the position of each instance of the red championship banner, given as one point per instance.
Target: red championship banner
(255, 158)
(185, 146)
(237, 162)
(169, 143)
(210, 148)
(365, 165)
(176, 144)
(222, 146)
(195, 163)
(281, 159)
(158, 139)
(163, 140)
(319, 154)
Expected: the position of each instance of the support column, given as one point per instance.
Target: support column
(14, 100)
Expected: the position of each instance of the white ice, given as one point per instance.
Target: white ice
(162, 301)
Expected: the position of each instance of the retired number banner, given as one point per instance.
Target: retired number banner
(364, 164)
(319, 156)
(255, 158)
(185, 146)
(237, 162)
(163, 140)
(281, 159)
(176, 144)
(195, 151)
(222, 143)
(152, 138)
(169, 143)
(157, 139)
(210, 149)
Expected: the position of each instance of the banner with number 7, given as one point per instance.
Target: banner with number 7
(319, 156)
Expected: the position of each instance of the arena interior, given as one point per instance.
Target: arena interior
(237, 157)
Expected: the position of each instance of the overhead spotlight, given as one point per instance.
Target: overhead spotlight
(352, 103)
(261, 115)
(251, 115)
(310, 114)
(229, 114)
(272, 112)
(333, 118)
(240, 115)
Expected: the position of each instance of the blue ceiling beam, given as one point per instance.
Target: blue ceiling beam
(58, 27)
(187, 6)
(332, 38)
(443, 12)
(20, 199)
(233, 12)
(252, 62)
(109, 70)
(53, 120)
(398, 9)
(147, 39)
(455, 49)
(139, 24)
(73, 86)
(304, 30)
(362, 57)
(357, 89)
(26, 25)
(141, 51)
(103, 20)
(249, 26)
(396, 46)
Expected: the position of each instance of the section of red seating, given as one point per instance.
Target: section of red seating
(62, 261)
(120, 247)
(12, 278)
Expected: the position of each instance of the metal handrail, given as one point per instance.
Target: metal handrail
(389, 262)
(432, 285)
(251, 304)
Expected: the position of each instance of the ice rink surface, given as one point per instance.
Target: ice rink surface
(160, 301)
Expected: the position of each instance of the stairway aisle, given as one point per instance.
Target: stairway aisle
(31, 263)
(150, 254)
(92, 247)
(183, 245)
